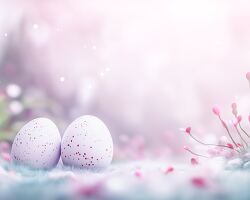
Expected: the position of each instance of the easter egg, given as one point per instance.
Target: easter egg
(87, 143)
(37, 144)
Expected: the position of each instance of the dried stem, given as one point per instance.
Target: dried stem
(228, 132)
(242, 139)
(196, 154)
(243, 130)
(216, 145)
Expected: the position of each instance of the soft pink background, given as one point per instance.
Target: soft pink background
(144, 67)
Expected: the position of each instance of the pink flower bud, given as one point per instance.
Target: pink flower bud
(248, 76)
(239, 119)
(235, 112)
(234, 109)
(234, 105)
(188, 130)
(216, 110)
(239, 145)
(230, 145)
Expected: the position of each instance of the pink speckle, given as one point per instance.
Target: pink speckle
(216, 110)
(169, 170)
(194, 161)
(188, 130)
(249, 118)
(199, 182)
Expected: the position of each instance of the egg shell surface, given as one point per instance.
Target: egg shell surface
(87, 143)
(37, 144)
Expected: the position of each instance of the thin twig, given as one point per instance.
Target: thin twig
(196, 154)
(228, 132)
(216, 145)
(242, 139)
(243, 130)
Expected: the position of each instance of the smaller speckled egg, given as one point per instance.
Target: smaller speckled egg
(37, 144)
(87, 143)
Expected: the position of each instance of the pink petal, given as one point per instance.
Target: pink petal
(138, 173)
(169, 170)
(90, 190)
(199, 182)
(6, 156)
(194, 161)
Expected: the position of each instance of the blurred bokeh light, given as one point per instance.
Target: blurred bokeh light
(146, 68)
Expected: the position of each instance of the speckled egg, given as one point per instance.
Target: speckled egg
(37, 144)
(87, 143)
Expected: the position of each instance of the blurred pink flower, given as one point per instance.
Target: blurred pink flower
(194, 161)
(199, 182)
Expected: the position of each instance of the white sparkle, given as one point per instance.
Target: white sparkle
(59, 28)
(35, 26)
(5, 34)
(102, 74)
(107, 69)
(62, 79)
(218, 42)
(89, 86)
(94, 47)
(13, 90)
(16, 107)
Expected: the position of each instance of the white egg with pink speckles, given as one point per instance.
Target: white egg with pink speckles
(87, 143)
(37, 144)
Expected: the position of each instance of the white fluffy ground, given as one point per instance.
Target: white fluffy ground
(135, 180)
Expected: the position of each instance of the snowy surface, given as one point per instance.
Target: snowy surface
(210, 179)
